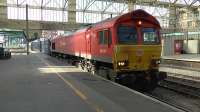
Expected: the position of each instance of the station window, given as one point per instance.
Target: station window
(105, 37)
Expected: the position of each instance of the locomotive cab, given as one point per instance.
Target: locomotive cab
(138, 51)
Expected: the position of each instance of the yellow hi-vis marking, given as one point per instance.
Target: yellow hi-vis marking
(79, 93)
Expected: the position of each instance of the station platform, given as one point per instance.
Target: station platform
(184, 66)
(184, 57)
(39, 83)
(188, 62)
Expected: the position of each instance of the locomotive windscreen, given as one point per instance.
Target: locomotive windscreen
(150, 36)
(127, 35)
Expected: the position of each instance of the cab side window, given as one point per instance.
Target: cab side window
(101, 37)
(53, 46)
(105, 37)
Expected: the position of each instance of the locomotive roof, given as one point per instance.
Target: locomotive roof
(135, 14)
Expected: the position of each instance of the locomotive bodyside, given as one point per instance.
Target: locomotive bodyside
(72, 45)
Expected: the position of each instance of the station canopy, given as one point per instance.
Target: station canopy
(92, 11)
(12, 32)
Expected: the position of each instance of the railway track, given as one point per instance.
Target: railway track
(180, 88)
(169, 102)
(178, 95)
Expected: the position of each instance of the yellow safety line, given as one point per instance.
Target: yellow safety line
(78, 92)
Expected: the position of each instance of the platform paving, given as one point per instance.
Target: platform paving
(184, 66)
(184, 57)
(39, 83)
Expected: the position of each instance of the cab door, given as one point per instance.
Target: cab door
(105, 42)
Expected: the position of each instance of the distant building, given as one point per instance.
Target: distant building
(189, 19)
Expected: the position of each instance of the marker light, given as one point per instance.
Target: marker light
(139, 22)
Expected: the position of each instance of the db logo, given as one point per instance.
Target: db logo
(139, 52)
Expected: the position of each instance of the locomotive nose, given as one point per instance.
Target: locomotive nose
(134, 58)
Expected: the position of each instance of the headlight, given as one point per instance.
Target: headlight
(122, 63)
(158, 62)
(155, 62)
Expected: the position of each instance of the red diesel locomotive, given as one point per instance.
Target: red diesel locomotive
(128, 47)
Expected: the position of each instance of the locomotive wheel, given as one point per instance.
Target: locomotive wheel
(79, 65)
(153, 83)
(82, 66)
(73, 63)
(88, 68)
(85, 67)
(68, 61)
(110, 74)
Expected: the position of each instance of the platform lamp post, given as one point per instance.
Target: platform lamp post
(27, 29)
(186, 35)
